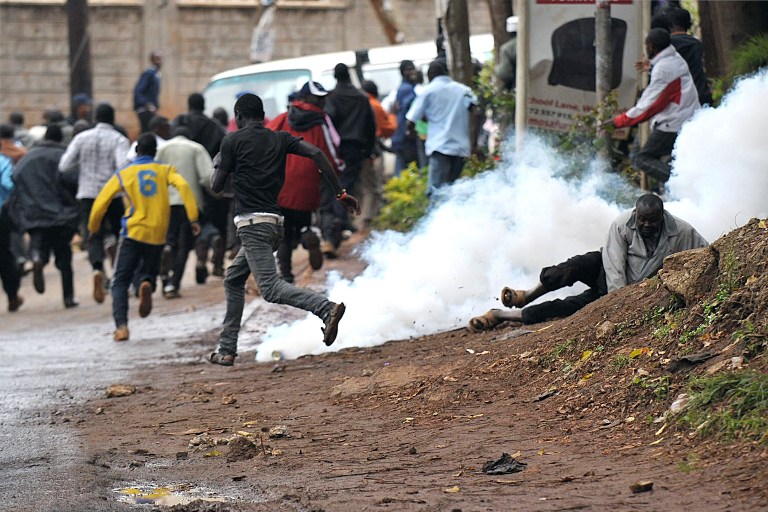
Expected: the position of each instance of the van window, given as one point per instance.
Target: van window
(273, 87)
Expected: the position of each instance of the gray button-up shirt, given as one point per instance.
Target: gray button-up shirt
(100, 152)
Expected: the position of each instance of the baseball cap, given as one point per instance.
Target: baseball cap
(313, 88)
(512, 23)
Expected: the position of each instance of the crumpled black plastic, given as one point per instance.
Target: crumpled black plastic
(506, 464)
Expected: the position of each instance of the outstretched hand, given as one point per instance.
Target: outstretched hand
(350, 203)
(195, 227)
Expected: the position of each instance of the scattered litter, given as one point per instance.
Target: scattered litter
(118, 390)
(505, 464)
(689, 361)
(641, 486)
(736, 362)
(545, 395)
(278, 431)
(228, 400)
(455, 488)
(639, 352)
(680, 402)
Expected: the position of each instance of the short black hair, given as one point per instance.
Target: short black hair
(341, 72)
(220, 114)
(54, 133)
(6, 131)
(661, 20)
(146, 144)
(436, 68)
(658, 38)
(651, 201)
(370, 87)
(406, 64)
(250, 106)
(181, 130)
(195, 101)
(156, 122)
(679, 17)
(105, 113)
(16, 118)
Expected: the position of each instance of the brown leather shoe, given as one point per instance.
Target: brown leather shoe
(121, 333)
(331, 328)
(99, 290)
(145, 299)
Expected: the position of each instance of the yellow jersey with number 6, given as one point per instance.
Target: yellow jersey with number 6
(144, 185)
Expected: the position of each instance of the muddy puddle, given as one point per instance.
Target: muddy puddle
(167, 495)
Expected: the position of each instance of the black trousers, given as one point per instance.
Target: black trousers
(333, 217)
(9, 272)
(137, 262)
(181, 240)
(586, 268)
(55, 239)
(648, 159)
(111, 225)
(294, 223)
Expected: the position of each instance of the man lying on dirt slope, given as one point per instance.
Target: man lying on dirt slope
(638, 241)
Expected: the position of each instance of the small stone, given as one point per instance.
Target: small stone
(228, 400)
(412, 450)
(118, 390)
(641, 486)
(605, 329)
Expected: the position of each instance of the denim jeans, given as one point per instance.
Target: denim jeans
(135, 261)
(443, 169)
(259, 242)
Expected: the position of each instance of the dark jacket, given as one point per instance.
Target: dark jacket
(147, 90)
(45, 196)
(351, 113)
(691, 51)
(205, 131)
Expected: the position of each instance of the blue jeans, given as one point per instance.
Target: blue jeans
(259, 242)
(443, 170)
(135, 260)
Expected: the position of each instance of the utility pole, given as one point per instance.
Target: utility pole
(387, 16)
(80, 75)
(457, 26)
(603, 67)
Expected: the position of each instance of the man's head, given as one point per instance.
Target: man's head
(408, 71)
(436, 68)
(52, 116)
(313, 93)
(248, 108)
(370, 87)
(341, 73)
(220, 114)
(16, 119)
(80, 126)
(156, 58)
(649, 215)
(54, 134)
(656, 41)
(160, 126)
(146, 144)
(105, 113)
(196, 102)
(81, 105)
(680, 19)
(6, 131)
(181, 131)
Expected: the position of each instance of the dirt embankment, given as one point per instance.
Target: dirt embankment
(584, 402)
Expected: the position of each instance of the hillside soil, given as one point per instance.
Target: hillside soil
(582, 402)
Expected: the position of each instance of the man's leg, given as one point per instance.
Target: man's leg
(60, 238)
(127, 260)
(39, 249)
(457, 165)
(440, 168)
(648, 160)
(558, 308)
(234, 287)
(368, 189)
(9, 273)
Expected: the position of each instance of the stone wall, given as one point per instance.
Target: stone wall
(198, 39)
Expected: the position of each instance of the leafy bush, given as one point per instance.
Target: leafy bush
(747, 58)
(405, 200)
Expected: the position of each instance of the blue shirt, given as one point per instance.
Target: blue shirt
(6, 178)
(445, 103)
(405, 96)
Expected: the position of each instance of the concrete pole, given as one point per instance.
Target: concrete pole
(603, 67)
(521, 86)
(80, 74)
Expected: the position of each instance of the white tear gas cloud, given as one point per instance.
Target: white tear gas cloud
(501, 228)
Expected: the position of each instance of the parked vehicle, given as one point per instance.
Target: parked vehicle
(274, 81)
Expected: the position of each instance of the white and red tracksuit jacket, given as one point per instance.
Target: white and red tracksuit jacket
(669, 100)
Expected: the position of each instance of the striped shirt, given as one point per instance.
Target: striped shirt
(99, 152)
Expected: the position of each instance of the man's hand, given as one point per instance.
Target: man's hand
(195, 227)
(606, 124)
(350, 203)
(91, 236)
(643, 65)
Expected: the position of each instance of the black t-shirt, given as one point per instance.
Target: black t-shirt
(256, 158)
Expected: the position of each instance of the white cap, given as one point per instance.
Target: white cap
(512, 24)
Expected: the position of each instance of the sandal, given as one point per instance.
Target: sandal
(513, 298)
(485, 322)
(222, 359)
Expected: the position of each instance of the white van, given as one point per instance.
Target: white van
(274, 81)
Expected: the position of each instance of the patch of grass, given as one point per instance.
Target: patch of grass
(558, 351)
(689, 464)
(733, 405)
(658, 386)
(405, 200)
(620, 361)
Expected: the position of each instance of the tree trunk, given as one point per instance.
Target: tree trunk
(603, 67)
(457, 26)
(725, 26)
(499, 11)
(80, 76)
